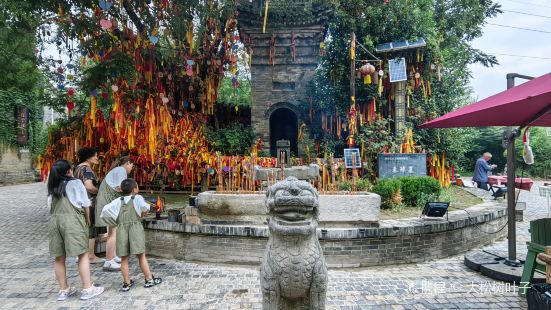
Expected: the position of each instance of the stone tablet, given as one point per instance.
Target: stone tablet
(398, 165)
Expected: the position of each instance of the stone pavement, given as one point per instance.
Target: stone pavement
(536, 208)
(28, 278)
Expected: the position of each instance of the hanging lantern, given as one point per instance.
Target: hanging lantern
(105, 24)
(367, 69)
(70, 106)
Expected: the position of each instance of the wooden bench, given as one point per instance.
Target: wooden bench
(540, 236)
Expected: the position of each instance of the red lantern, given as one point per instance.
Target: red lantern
(70, 105)
(71, 92)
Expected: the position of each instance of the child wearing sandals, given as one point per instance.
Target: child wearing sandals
(126, 212)
(68, 229)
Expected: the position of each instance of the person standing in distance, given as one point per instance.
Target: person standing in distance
(481, 171)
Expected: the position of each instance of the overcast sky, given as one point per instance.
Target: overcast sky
(501, 40)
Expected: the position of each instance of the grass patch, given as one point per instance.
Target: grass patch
(458, 198)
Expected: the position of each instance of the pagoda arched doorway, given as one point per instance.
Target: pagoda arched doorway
(283, 126)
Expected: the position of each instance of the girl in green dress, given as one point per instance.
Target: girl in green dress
(127, 212)
(108, 191)
(68, 228)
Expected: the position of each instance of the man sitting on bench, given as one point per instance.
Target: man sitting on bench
(481, 171)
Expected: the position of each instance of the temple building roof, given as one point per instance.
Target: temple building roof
(284, 13)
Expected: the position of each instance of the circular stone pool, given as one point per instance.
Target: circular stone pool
(227, 234)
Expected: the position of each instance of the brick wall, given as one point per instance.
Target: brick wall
(16, 167)
(286, 81)
(395, 242)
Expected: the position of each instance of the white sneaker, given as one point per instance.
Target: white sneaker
(111, 265)
(64, 294)
(91, 292)
(117, 259)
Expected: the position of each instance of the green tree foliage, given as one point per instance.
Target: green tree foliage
(233, 140)
(74, 27)
(241, 95)
(486, 139)
(375, 138)
(22, 84)
(541, 148)
(447, 26)
(17, 48)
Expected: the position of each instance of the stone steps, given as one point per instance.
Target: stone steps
(17, 177)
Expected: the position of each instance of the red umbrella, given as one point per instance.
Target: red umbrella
(523, 105)
(528, 104)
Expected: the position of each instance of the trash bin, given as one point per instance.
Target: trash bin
(539, 296)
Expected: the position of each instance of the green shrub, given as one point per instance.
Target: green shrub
(236, 139)
(389, 190)
(412, 191)
(416, 191)
(345, 186)
(445, 196)
(363, 185)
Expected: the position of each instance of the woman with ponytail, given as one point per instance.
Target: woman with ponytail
(68, 228)
(110, 190)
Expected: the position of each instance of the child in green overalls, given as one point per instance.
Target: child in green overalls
(68, 228)
(130, 232)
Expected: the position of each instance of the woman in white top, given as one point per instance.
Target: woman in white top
(68, 228)
(108, 191)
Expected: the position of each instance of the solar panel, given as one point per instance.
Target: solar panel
(399, 45)
(417, 43)
(383, 47)
(349, 154)
(397, 68)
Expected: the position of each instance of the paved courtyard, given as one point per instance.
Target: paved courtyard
(29, 283)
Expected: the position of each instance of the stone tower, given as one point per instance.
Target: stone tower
(284, 59)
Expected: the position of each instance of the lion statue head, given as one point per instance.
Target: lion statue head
(293, 207)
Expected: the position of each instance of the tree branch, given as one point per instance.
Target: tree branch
(133, 16)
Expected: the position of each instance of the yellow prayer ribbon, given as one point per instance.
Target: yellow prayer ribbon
(265, 17)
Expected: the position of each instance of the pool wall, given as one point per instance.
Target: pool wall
(393, 242)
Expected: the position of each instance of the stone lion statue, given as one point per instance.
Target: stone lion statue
(293, 274)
